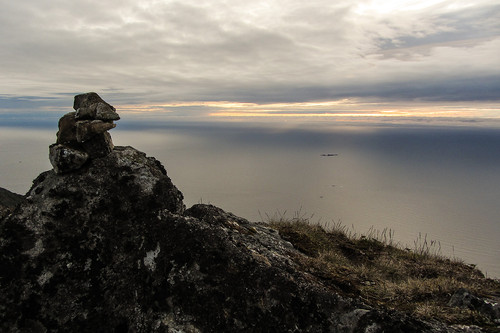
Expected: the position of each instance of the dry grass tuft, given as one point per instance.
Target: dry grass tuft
(375, 267)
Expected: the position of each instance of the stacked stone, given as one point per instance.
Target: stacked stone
(83, 134)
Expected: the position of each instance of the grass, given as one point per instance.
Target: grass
(374, 267)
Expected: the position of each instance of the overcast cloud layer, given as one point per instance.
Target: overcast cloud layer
(162, 51)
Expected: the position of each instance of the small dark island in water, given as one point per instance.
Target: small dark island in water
(329, 155)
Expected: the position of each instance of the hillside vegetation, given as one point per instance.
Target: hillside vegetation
(418, 281)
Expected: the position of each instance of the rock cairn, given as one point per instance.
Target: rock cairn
(83, 133)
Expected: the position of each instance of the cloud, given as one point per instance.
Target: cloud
(153, 51)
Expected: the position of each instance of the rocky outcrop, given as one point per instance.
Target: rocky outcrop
(110, 247)
(83, 134)
(83, 261)
(463, 298)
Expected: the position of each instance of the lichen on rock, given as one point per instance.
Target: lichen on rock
(64, 158)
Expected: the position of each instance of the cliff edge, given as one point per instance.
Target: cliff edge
(9, 201)
(103, 243)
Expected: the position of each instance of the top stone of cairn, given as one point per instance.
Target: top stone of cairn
(92, 106)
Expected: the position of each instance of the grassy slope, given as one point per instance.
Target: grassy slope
(419, 282)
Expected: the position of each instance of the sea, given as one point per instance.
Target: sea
(422, 184)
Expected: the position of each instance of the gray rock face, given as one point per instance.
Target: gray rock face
(99, 145)
(79, 234)
(100, 111)
(464, 299)
(64, 158)
(87, 100)
(83, 133)
(67, 130)
(87, 129)
(92, 106)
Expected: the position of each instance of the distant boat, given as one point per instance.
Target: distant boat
(329, 155)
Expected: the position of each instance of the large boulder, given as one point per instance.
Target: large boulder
(109, 247)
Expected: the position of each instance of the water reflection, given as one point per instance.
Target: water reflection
(443, 182)
(437, 181)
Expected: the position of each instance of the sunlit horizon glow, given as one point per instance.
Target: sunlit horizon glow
(345, 109)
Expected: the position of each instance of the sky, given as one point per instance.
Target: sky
(230, 59)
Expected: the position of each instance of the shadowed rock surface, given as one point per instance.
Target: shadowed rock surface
(463, 298)
(110, 247)
(9, 201)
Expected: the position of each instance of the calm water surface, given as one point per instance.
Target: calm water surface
(439, 182)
